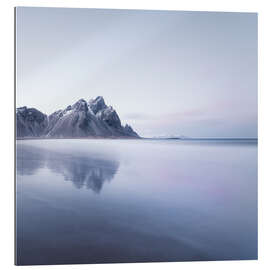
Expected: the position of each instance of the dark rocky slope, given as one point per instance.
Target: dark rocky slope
(82, 119)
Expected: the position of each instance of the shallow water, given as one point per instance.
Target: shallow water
(93, 201)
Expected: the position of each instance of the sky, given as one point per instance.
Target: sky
(164, 72)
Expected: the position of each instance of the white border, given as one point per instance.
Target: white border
(7, 122)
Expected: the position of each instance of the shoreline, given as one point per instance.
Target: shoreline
(78, 138)
(136, 138)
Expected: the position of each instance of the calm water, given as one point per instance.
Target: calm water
(92, 201)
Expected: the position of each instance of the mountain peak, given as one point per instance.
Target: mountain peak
(21, 109)
(99, 98)
(80, 105)
(30, 122)
(97, 104)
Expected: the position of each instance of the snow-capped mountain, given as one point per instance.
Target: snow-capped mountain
(82, 119)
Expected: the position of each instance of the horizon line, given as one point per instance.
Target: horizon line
(204, 138)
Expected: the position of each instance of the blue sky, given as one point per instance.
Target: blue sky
(165, 72)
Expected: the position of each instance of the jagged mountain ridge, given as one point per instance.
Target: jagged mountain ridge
(82, 119)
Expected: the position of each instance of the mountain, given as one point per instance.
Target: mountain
(30, 122)
(80, 120)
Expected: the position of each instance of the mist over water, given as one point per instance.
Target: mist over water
(93, 201)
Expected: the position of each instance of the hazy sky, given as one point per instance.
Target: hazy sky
(165, 72)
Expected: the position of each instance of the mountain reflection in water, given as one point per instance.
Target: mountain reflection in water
(83, 170)
(170, 200)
